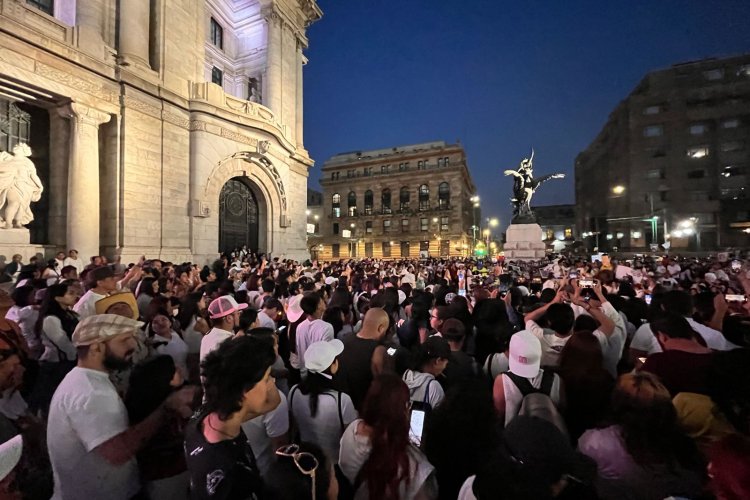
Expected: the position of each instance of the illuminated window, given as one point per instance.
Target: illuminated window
(423, 224)
(698, 152)
(424, 197)
(444, 223)
(568, 233)
(336, 205)
(731, 123)
(652, 110)
(351, 202)
(698, 129)
(444, 195)
(368, 202)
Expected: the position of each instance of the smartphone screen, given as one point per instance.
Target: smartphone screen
(416, 426)
(586, 283)
(730, 297)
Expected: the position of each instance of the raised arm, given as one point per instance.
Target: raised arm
(511, 172)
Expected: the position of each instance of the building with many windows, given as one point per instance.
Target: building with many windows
(407, 201)
(672, 160)
(558, 222)
(160, 127)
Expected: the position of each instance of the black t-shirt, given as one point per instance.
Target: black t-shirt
(220, 471)
(355, 368)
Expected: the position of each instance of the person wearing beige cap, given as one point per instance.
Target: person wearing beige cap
(91, 445)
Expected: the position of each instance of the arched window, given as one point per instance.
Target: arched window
(386, 201)
(444, 195)
(403, 199)
(368, 202)
(424, 197)
(336, 205)
(351, 202)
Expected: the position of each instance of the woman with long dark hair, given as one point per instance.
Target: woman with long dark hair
(147, 290)
(193, 325)
(376, 455)
(167, 341)
(643, 453)
(588, 386)
(54, 328)
(320, 412)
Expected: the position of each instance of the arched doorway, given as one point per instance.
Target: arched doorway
(239, 218)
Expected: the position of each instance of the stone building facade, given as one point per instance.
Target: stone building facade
(675, 152)
(170, 128)
(400, 202)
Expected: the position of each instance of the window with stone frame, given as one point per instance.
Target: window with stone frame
(386, 248)
(368, 250)
(385, 201)
(444, 223)
(217, 34)
(336, 205)
(403, 198)
(440, 162)
(217, 76)
(335, 250)
(368, 202)
(386, 225)
(424, 224)
(424, 246)
(444, 195)
(46, 6)
(568, 233)
(424, 197)
(368, 227)
(404, 225)
(351, 203)
(335, 228)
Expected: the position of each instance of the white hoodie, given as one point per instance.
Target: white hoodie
(417, 384)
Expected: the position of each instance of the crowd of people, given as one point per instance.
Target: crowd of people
(268, 378)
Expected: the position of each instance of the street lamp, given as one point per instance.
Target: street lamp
(619, 189)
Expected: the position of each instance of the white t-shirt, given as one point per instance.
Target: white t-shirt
(552, 344)
(77, 263)
(612, 345)
(645, 339)
(260, 430)
(86, 305)
(55, 340)
(192, 337)
(266, 321)
(212, 340)
(325, 428)
(177, 349)
(86, 412)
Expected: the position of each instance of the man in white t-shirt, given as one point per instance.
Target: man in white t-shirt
(73, 260)
(313, 329)
(102, 280)
(267, 433)
(224, 312)
(92, 446)
(611, 332)
(560, 319)
(267, 316)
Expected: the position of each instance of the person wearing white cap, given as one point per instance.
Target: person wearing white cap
(92, 447)
(524, 377)
(224, 312)
(321, 412)
(312, 329)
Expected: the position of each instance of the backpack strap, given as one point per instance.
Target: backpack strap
(341, 415)
(523, 384)
(426, 398)
(548, 378)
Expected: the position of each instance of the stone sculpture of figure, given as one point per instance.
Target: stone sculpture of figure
(19, 187)
(524, 186)
(253, 90)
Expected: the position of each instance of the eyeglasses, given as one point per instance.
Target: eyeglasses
(305, 461)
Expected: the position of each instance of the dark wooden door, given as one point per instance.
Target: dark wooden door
(238, 217)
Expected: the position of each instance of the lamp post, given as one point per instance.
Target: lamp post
(475, 205)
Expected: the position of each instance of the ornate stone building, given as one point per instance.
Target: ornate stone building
(159, 127)
(407, 201)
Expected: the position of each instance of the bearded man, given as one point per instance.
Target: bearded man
(92, 446)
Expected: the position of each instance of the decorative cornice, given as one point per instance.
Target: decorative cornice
(70, 80)
(83, 114)
(144, 107)
(203, 126)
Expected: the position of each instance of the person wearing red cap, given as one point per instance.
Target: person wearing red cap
(224, 312)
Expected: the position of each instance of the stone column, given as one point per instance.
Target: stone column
(90, 24)
(272, 95)
(134, 32)
(59, 141)
(300, 115)
(83, 178)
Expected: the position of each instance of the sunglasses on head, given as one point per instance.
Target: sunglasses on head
(305, 461)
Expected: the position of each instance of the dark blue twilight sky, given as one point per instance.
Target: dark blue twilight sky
(500, 76)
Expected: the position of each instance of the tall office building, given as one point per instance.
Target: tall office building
(672, 160)
(400, 202)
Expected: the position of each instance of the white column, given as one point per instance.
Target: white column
(89, 20)
(272, 96)
(83, 178)
(300, 90)
(59, 142)
(134, 32)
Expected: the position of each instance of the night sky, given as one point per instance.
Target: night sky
(499, 76)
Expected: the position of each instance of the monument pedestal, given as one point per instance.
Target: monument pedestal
(524, 242)
(16, 241)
